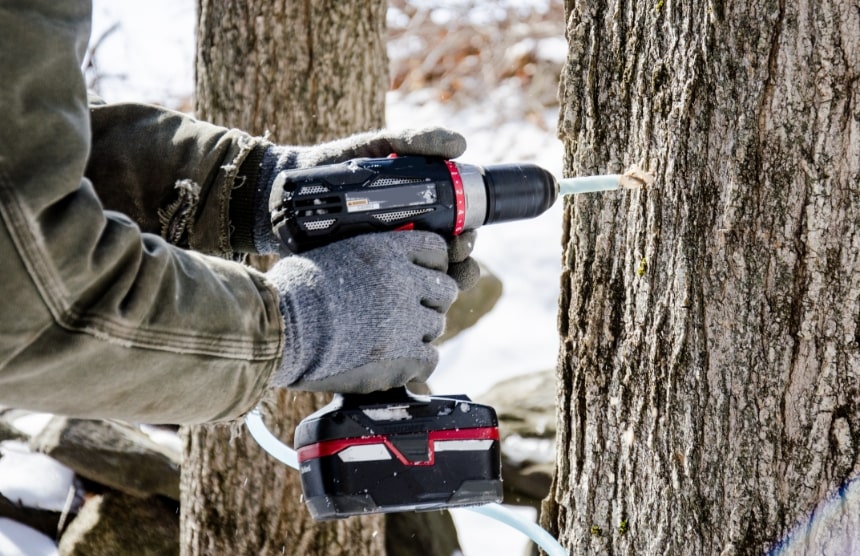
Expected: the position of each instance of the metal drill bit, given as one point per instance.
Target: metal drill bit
(633, 178)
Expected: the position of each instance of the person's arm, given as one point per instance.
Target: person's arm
(173, 175)
(206, 187)
(98, 319)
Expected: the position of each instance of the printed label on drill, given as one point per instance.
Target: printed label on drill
(395, 197)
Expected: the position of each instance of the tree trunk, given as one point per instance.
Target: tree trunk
(303, 72)
(710, 367)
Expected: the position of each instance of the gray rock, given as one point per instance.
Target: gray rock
(420, 534)
(526, 407)
(113, 454)
(8, 432)
(472, 305)
(115, 524)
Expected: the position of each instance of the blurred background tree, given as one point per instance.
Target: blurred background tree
(301, 72)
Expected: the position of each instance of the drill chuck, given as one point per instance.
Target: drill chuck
(518, 191)
(315, 206)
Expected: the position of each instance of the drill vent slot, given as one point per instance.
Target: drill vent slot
(317, 225)
(389, 217)
(382, 182)
(313, 190)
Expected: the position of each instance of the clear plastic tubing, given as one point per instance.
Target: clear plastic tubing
(269, 442)
(589, 184)
(530, 529)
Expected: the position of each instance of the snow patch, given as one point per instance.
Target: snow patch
(163, 437)
(34, 480)
(32, 424)
(20, 540)
(551, 49)
(393, 413)
(519, 449)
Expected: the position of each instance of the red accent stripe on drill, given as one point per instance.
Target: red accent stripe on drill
(459, 197)
(332, 447)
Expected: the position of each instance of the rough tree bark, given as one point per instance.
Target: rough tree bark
(710, 369)
(303, 72)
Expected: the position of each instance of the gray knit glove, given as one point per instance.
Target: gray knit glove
(431, 141)
(461, 267)
(360, 313)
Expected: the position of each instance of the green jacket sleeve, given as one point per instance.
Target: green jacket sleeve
(98, 318)
(175, 176)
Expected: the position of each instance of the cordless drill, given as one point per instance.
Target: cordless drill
(324, 204)
(394, 451)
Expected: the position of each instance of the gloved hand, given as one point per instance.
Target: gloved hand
(360, 313)
(435, 141)
(461, 267)
(432, 141)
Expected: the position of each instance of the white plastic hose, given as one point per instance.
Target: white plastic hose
(633, 178)
(269, 442)
(532, 530)
(589, 184)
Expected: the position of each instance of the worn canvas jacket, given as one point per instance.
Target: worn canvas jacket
(112, 303)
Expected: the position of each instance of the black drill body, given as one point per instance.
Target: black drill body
(323, 204)
(393, 451)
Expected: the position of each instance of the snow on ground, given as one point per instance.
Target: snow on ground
(20, 540)
(32, 424)
(149, 57)
(35, 480)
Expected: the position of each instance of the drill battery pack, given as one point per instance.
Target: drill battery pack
(395, 451)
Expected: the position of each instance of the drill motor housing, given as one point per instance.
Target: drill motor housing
(319, 205)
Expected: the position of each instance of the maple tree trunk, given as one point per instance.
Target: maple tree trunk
(709, 371)
(303, 72)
